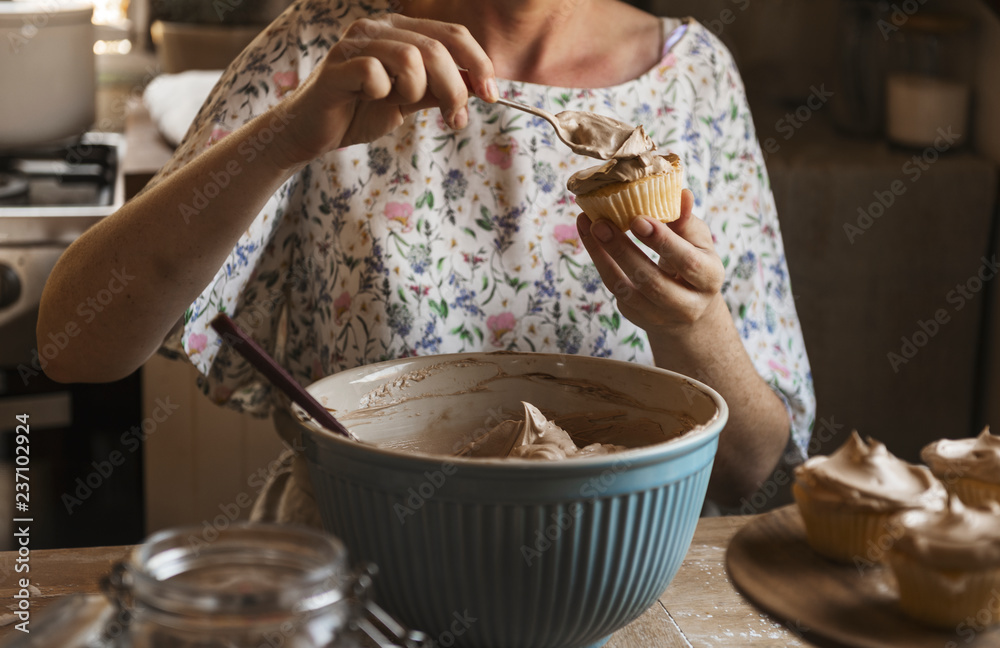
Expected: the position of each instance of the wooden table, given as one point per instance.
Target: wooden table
(700, 608)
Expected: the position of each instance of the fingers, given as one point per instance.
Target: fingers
(610, 273)
(444, 81)
(633, 284)
(684, 264)
(691, 259)
(466, 52)
(691, 228)
(390, 71)
(422, 59)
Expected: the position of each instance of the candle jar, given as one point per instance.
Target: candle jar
(249, 585)
(929, 80)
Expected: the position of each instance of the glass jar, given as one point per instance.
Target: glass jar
(929, 80)
(251, 585)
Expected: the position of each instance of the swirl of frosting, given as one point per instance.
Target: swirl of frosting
(953, 538)
(867, 475)
(625, 169)
(628, 151)
(542, 439)
(977, 458)
(602, 137)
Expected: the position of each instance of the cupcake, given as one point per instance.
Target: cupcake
(847, 499)
(947, 565)
(635, 181)
(969, 468)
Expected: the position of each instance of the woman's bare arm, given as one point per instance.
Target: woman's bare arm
(157, 253)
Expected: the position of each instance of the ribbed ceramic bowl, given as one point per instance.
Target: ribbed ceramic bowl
(513, 553)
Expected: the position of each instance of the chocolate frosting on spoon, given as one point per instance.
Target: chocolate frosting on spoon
(629, 152)
(603, 137)
(628, 149)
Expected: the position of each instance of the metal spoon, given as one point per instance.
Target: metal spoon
(576, 128)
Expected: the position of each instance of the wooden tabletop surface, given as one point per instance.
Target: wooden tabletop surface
(700, 608)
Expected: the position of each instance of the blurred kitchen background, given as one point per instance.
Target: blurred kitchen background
(890, 230)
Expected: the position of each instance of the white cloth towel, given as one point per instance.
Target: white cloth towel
(173, 100)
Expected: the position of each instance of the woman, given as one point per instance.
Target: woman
(316, 187)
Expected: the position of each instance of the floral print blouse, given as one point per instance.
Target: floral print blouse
(433, 241)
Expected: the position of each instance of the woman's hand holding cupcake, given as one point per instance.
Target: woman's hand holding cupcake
(677, 300)
(662, 297)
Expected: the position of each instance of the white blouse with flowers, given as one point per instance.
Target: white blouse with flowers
(430, 240)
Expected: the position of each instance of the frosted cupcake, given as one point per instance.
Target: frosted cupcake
(947, 565)
(969, 468)
(848, 498)
(635, 180)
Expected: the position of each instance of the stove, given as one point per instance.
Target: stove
(53, 194)
(49, 197)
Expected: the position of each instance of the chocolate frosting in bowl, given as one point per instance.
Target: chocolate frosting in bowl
(445, 406)
(534, 437)
(977, 458)
(869, 476)
(954, 538)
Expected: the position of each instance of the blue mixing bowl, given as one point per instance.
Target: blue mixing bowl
(491, 553)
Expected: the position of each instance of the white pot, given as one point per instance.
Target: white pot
(47, 67)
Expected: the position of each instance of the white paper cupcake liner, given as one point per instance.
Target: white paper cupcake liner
(946, 599)
(846, 535)
(657, 196)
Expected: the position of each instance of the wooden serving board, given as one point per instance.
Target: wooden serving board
(829, 604)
